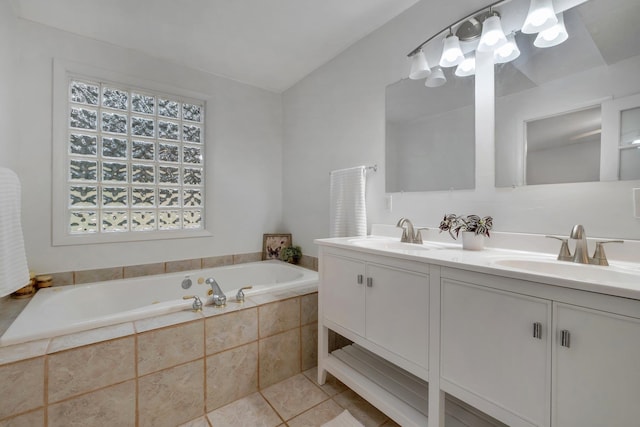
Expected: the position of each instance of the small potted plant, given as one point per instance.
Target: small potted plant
(291, 254)
(473, 228)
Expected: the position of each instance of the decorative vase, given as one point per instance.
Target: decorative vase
(472, 241)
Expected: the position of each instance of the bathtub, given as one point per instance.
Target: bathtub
(73, 308)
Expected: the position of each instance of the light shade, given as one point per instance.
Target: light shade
(492, 35)
(419, 66)
(552, 36)
(436, 78)
(451, 52)
(467, 67)
(541, 16)
(507, 52)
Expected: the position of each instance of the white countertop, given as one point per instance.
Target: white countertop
(620, 278)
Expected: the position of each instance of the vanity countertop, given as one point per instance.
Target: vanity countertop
(620, 278)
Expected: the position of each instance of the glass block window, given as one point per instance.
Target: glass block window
(135, 160)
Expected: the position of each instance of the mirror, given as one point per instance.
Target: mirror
(430, 135)
(562, 112)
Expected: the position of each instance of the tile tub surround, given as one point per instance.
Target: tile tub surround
(162, 371)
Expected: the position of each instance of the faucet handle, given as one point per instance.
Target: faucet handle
(599, 257)
(418, 236)
(197, 303)
(240, 294)
(565, 253)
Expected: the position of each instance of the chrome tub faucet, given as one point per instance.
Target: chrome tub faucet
(219, 298)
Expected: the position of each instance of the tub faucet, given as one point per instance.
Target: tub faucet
(219, 298)
(408, 233)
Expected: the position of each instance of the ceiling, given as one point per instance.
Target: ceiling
(268, 44)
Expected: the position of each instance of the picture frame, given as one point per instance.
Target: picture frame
(272, 244)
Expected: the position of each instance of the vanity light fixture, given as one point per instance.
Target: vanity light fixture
(507, 52)
(540, 17)
(451, 52)
(419, 66)
(436, 78)
(552, 36)
(492, 34)
(467, 67)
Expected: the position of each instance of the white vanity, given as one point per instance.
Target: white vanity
(520, 336)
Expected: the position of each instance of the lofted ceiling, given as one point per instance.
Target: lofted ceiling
(268, 44)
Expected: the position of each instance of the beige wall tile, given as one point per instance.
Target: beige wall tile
(111, 406)
(89, 368)
(98, 275)
(91, 336)
(22, 386)
(309, 345)
(165, 320)
(231, 375)
(143, 270)
(250, 257)
(309, 262)
(217, 261)
(171, 397)
(27, 350)
(278, 316)
(279, 357)
(309, 308)
(171, 346)
(183, 265)
(30, 419)
(231, 330)
(323, 413)
(252, 411)
(293, 396)
(62, 279)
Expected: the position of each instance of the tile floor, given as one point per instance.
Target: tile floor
(295, 402)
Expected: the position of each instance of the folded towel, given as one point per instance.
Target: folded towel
(14, 273)
(345, 419)
(347, 202)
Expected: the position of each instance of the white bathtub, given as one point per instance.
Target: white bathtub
(65, 309)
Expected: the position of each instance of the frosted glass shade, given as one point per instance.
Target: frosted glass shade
(540, 17)
(451, 52)
(492, 35)
(552, 36)
(419, 66)
(467, 67)
(436, 78)
(507, 52)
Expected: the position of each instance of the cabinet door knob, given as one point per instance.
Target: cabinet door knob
(537, 330)
(565, 338)
(369, 282)
(360, 279)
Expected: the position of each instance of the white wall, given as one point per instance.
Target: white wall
(243, 155)
(8, 53)
(334, 118)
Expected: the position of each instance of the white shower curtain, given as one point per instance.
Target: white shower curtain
(348, 209)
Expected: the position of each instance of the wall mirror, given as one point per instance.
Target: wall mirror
(430, 135)
(571, 113)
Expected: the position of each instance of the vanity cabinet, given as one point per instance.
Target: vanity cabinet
(596, 378)
(379, 305)
(495, 345)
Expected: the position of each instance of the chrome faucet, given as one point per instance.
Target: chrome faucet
(219, 298)
(240, 294)
(408, 233)
(581, 254)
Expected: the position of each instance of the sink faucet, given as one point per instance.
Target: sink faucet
(581, 254)
(408, 233)
(219, 298)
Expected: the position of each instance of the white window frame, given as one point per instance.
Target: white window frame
(63, 72)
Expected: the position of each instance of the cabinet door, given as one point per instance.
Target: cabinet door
(342, 292)
(597, 377)
(397, 312)
(490, 353)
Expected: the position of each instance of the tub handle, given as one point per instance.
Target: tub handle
(197, 303)
(240, 294)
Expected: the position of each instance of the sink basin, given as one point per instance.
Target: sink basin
(390, 244)
(567, 270)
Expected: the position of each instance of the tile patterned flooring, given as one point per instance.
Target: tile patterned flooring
(295, 402)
